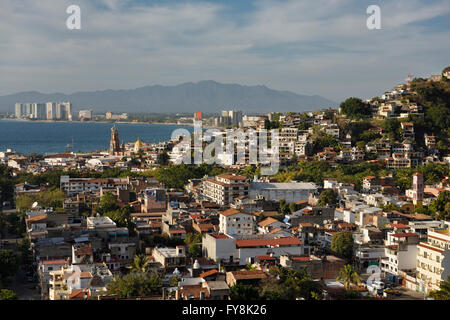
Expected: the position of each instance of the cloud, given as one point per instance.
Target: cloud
(313, 47)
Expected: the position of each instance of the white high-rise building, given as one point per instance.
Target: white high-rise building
(38, 111)
(64, 111)
(20, 110)
(231, 117)
(51, 110)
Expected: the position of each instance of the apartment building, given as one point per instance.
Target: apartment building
(170, 257)
(243, 250)
(290, 191)
(74, 186)
(225, 187)
(288, 134)
(400, 253)
(398, 160)
(433, 260)
(235, 222)
(79, 281)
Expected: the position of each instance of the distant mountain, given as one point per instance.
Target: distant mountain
(206, 96)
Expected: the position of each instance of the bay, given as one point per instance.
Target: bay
(52, 137)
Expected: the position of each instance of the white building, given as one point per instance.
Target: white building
(400, 253)
(433, 260)
(79, 281)
(170, 257)
(73, 186)
(100, 223)
(233, 222)
(225, 187)
(270, 225)
(224, 248)
(290, 191)
(86, 114)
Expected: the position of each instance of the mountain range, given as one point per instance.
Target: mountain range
(206, 96)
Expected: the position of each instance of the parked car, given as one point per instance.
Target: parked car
(391, 292)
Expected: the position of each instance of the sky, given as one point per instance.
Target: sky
(309, 47)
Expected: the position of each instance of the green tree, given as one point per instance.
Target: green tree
(284, 207)
(173, 281)
(164, 158)
(348, 276)
(140, 263)
(9, 264)
(272, 289)
(136, 285)
(195, 251)
(342, 244)
(444, 291)
(6, 294)
(244, 292)
(108, 202)
(355, 108)
(121, 217)
(328, 197)
(6, 183)
(24, 250)
(49, 198)
(440, 207)
(193, 238)
(392, 128)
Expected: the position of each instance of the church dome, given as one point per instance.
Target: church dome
(138, 144)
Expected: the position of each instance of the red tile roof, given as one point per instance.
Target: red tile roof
(266, 257)
(208, 273)
(220, 236)
(267, 221)
(301, 258)
(229, 212)
(248, 274)
(405, 234)
(59, 261)
(400, 226)
(37, 218)
(231, 177)
(268, 242)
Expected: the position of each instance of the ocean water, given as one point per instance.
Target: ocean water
(50, 137)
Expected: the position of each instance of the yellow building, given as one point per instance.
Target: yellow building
(138, 145)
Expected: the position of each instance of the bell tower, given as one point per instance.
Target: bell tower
(114, 143)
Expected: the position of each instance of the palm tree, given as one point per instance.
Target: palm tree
(140, 263)
(348, 276)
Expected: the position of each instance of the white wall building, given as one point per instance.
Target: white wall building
(290, 191)
(233, 222)
(433, 260)
(400, 252)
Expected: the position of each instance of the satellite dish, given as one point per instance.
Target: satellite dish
(35, 205)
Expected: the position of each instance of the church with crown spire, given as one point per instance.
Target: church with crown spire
(115, 148)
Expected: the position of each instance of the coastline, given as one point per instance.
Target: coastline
(112, 122)
(94, 121)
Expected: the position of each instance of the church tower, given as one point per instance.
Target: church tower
(114, 143)
(418, 189)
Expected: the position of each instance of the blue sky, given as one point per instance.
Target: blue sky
(310, 47)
